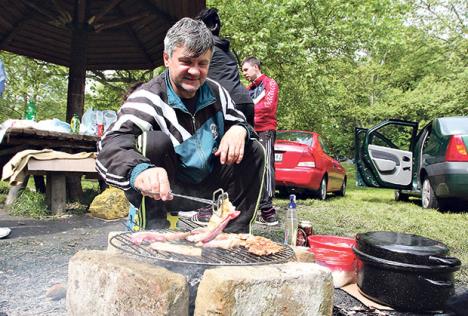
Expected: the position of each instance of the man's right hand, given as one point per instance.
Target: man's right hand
(154, 183)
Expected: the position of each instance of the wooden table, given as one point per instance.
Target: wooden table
(18, 139)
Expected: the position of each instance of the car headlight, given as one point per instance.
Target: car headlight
(310, 164)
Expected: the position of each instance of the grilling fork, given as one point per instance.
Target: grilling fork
(218, 198)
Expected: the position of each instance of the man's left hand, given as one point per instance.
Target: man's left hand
(231, 148)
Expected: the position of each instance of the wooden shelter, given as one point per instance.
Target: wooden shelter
(91, 34)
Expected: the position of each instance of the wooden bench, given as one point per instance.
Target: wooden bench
(56, 171)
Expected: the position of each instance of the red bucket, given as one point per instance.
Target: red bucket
(337, 243)
(335, 253)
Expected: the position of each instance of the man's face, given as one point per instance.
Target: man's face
(187, 73)
(250, 72)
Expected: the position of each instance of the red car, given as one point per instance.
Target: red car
(303, 165)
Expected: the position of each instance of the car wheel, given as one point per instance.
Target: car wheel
(342, 191)
(322, 193)
(428, 198)
(399, 196)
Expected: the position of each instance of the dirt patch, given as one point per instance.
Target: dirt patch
(34, 260)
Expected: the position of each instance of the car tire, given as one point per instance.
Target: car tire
(428, 197)
(322, 192)
(399, 196)
(342, 191)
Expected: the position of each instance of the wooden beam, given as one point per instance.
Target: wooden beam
(134, 36)
(120, 21)
(82, 6)
(40, 10)
(15, 30)
(154, 8)
(94, 19)
(65, 16)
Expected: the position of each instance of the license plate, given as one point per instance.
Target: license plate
(278, 157)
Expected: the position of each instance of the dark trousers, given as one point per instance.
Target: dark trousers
(242, 182)
(267, 139)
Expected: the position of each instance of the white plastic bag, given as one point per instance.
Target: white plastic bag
(54, 125)
(88, 124)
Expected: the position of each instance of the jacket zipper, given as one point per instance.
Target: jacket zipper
(200, 149)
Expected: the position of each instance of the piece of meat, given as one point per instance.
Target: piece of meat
(262, 246)
(198, 234)
(146, 236)
(228, 241)
(219, 229)
(174, 236)
(186, 250)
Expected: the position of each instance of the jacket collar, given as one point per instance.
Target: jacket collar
(204, 96)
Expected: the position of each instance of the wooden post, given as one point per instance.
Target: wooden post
(76, 80)
(77, 70)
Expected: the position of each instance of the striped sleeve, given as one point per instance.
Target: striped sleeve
(117, 153)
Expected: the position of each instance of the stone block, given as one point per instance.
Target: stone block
(293, 288)
(116, 242)
(103, 283)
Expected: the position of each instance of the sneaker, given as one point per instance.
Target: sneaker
(267, 217)
(203, 215)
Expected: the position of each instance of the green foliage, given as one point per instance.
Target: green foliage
(344, 64)
(30, 79)
(29, 204)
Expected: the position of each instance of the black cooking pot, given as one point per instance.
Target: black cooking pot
(404, 271)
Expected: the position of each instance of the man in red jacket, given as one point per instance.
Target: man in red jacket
(264, 92)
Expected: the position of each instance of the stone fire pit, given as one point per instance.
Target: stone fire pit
(114, 283)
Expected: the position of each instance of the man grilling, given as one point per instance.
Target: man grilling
(181, 132)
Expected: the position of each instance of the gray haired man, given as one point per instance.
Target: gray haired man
(180, 132)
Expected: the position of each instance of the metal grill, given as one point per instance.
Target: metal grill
(210, 256)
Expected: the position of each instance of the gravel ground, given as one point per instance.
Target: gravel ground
(34, 262)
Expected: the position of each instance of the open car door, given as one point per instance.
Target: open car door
(384, 154)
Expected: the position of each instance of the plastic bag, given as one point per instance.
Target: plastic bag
(54, 125)
(88, 123)
(92, 118)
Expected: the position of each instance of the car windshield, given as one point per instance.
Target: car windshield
(300, 137)
(454, 125)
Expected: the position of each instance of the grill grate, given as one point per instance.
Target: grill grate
(210, 256)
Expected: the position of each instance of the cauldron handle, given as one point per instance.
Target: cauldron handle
(450, 261)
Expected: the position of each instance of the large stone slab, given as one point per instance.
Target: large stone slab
(293, 288)
(104, 283)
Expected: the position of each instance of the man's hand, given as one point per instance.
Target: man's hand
(154, 183)
(231, 148)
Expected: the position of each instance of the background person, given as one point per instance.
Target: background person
(181, 132)
(264, 92)
(223, 65)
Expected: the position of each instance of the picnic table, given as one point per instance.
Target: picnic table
(56, 170)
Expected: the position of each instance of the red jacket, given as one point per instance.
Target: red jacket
(264, 92)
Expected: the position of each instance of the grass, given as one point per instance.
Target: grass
(32, 204)
(369, 209)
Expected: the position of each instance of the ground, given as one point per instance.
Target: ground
(34, 262)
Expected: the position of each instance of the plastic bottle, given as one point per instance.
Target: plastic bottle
(100, 123)
(290, 229)
(30, 111)
(75, 124)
